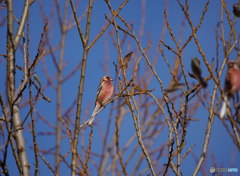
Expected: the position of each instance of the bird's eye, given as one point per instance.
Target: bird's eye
(106, 78)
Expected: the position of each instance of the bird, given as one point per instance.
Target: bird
(236, 10)
(232, 85)
(104, 94)
(195, 64)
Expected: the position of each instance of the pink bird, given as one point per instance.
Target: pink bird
(104, 94)
(232, 85)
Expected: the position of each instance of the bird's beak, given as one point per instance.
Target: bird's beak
(111, 79)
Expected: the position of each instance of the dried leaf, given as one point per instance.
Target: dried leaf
(192, 75)
(175, 87)
(142, 90)
(138, 88)
(36, 78)
(125, 60)
(47, 99)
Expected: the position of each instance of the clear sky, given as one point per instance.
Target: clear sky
(221, 144)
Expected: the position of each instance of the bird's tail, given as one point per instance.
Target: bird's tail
(224, 107)
(203, 82)
(97, 107)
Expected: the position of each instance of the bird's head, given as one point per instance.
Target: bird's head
(231, 64)
(107, 78)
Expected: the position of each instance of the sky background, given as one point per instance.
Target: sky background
(221, 144)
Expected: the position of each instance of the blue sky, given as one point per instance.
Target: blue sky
(220, 144)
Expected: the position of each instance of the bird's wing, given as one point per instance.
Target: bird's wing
(99, 91)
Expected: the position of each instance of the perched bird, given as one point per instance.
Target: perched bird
(232, 85)
(236, 10)
(195, 64)
(104, 94)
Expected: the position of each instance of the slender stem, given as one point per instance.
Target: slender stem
(80, 91)
(26, 67)
(59, 87)
(78, 25)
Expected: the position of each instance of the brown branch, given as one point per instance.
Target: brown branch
(78, 24)
(87, 156)
(80, 90)
(122, 5)
(187, 152)
(46, 161)
(117, 144)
